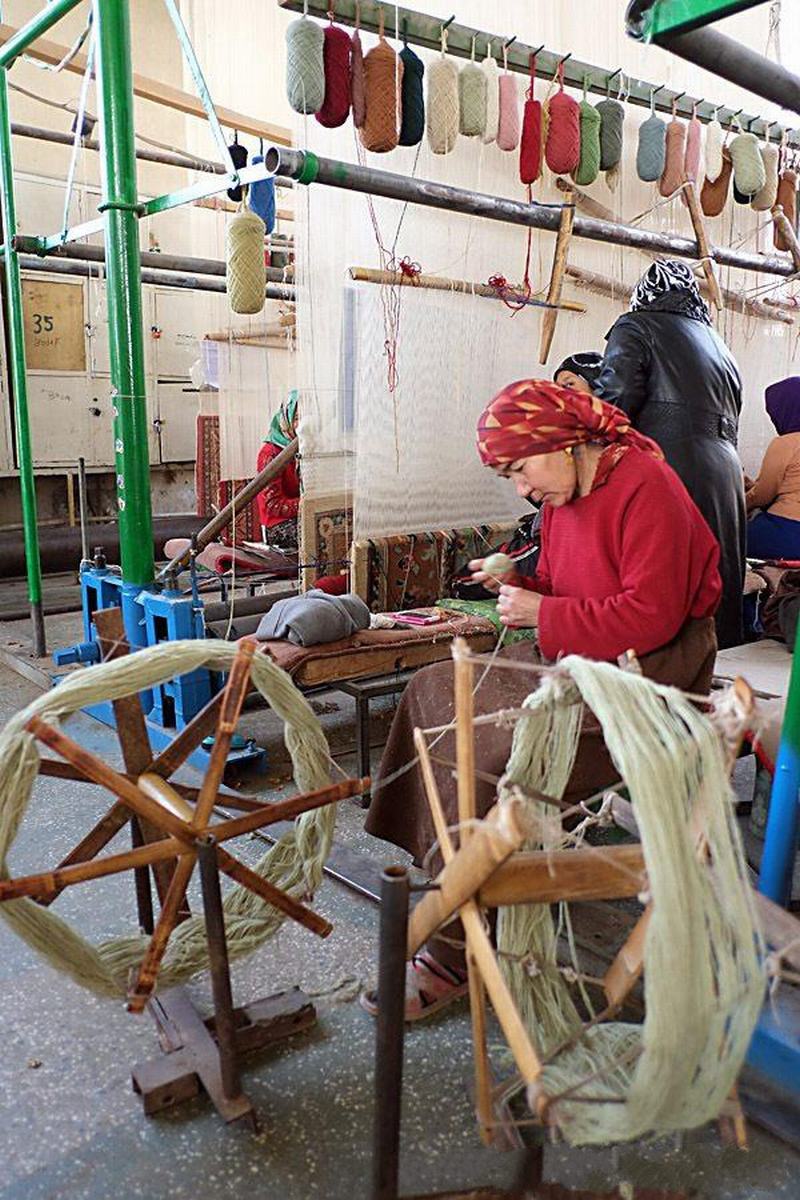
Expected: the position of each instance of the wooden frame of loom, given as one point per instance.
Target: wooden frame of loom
(172, 832)
(489, 870)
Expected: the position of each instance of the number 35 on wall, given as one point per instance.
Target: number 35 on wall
(42, 323)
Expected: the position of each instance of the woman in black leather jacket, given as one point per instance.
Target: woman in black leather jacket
(671, 372)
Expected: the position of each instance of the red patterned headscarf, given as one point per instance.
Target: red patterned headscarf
(535, 416)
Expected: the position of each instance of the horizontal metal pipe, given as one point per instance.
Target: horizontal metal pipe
(44, 20)
(155, 261)
(307, 168)
(169, 279)
(724, 56)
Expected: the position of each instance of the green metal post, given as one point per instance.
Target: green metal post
(19, 380)
(120, 207)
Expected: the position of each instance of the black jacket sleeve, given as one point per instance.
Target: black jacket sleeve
(626, 362)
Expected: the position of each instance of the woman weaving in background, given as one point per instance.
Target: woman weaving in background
(774, 532)
(627, 563)
(279, 502)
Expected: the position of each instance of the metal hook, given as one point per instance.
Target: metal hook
(679, 96)
(538, 50)
(510, 42)
(655, 91)
(448, 22)
(733, 117)
(564, 59)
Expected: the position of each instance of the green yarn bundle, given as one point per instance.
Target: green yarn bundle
(305, 66)
(749, 172)
(652, 149)
(612, 120)
(589, 164)
(472, 89)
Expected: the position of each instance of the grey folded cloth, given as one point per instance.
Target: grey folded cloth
(313, 618)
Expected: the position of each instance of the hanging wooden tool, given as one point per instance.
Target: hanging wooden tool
(557, 277)
(703, 252)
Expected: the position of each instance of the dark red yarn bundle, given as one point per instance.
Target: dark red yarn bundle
(530, 145)
(563, 149)
(336, 57)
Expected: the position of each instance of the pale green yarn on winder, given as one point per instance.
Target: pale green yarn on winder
(472, 100)
(305, 66)
(651, 151)
(703, 972)
(589, 164)
(294, 864)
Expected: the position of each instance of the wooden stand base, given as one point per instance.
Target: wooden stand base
(191, 1062)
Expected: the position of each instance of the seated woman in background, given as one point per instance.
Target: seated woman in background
(775, 531)
(579, 371)
(279, 502)
(627, 563)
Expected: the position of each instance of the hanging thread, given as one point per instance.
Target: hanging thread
(472, 98)
(305, 66)
(563, 144)
(336, 53)
(246, 272)
(443, 105)
(383, 79)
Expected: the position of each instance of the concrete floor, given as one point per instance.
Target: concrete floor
(73, 1128)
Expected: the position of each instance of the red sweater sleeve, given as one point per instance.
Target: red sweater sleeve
(280, 499)
(667, 570)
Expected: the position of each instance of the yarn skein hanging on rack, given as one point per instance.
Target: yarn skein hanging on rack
(563, 142)
(714, 192)
(357, 79)
(508, 130)
(336, 54)
(764, 200)
(714, 143)
(238, 154)
(651, 151)
(442, 112)
(383, 79)
(261, 198)
(246, 272)
(588, 167)
(675, 151)
(490, 70)
(530, 144)
(412, 98)
(749, 174)
(472, 98)
(787, 198)
(305, 66)
(612, 121)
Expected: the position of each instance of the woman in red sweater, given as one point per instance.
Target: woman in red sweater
(278, 503)
(627, 563)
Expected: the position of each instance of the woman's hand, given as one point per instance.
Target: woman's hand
(492, 583)
(519, 607)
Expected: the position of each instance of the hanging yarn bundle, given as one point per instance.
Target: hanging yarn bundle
(612, 121)
(490, 70)
(674, 153)
(442, 113)
(651, 151)
(693, 151)
(261, 198)
(412, 99)
(238, 154)
(383, 79)
(246, 272)
(563, 140)
(764, 200)
(714, 192)
(714, 143)
(530, 145)
(787, 198)
(508, 118)
(336, 52)
(472, 98)
(357, 79)
(589, 162)
(305, 66)
(749, 173)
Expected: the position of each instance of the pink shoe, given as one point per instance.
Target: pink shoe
(430, 987)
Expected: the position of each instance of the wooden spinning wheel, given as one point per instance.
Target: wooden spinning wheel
(173, 830)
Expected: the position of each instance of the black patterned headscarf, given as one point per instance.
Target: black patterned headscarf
(669, 285)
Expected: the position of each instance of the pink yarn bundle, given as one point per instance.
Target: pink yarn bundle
(672, 178)
(508, 118)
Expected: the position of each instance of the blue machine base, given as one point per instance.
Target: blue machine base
(775, 1048)
(161, 737)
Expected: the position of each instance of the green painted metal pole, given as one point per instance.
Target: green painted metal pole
(44, 20)
(19, 379)
(120, 207)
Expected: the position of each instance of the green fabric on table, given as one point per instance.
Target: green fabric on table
(488, 609)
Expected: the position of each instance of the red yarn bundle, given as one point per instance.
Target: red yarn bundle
(563, 147)
(530, 146)
(336, 58)
(357, 80)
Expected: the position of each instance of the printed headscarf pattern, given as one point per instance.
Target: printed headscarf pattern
(535, 416)
(666, 276)
(783, 405)
(283, 426)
